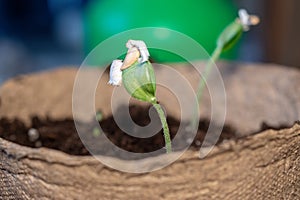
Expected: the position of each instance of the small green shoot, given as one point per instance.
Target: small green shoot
(99, 116)
(96, 132)
(138, 77)
(227, 39)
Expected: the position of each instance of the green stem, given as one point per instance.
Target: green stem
(215, 56)
(165, 127)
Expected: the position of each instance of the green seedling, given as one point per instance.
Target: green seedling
(96, 132)
(99, 116)
(137, 75)
(226, 40)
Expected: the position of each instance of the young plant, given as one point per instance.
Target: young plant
(227, 39)
(96, 131)
(137, 75)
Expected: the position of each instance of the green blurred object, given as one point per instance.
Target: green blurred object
(200, 20)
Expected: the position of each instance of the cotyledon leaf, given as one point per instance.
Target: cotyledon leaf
(230, 36)
(139, 81)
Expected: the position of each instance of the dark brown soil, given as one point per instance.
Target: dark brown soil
(62, 134)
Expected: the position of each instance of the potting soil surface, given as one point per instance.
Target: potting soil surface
(62, 134)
